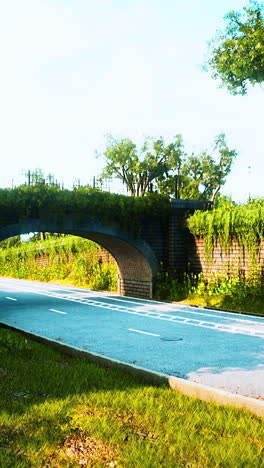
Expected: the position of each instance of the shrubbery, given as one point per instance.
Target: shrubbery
(70, 259)
(234, 293)
(84, 203)
(228, 221)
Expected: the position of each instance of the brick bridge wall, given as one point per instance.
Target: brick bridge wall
(183, 252)
(138, 257)
(134, 275)
(236, 261)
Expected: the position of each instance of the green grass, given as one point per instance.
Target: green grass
(252, 305)
(58, 411)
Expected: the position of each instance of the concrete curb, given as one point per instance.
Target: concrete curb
(193, 389)
(206, 393)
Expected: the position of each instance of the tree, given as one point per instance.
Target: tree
(139, 169)
(200, 177)
(168, 168)
(236, 56)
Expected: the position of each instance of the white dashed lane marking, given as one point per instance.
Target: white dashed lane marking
(140, 331)
(58, 311)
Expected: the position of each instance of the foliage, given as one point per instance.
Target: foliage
(200, 176)
(223, 292)
(84, 204)
(139, 169)
(243, 222)
(237, 54)
(60, 411)
(71, 260)
(168, 168)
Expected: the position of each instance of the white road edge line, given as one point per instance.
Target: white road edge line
(58, 311)
(145, 333)
(11, 298)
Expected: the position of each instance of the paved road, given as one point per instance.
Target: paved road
(220, 349)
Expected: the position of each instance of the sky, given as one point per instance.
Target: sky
(72, 71)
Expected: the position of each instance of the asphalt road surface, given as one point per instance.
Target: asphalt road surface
(219, 349)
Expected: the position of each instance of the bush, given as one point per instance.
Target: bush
(68, 259)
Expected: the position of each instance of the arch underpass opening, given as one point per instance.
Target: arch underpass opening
(135, 269)
(64, 259)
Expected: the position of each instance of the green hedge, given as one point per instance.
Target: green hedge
(44, 201)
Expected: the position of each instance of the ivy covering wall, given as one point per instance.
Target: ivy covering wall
(237, 230)
(245, 223)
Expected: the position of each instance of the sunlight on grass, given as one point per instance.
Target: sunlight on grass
(58, 411)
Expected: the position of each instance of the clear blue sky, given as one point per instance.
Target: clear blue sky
(74, 70)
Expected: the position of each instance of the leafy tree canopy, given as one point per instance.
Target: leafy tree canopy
(236, 56)
(167, 168)
(200, 176)
(138, 169)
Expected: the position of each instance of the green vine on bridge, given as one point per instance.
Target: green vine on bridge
(84, 204)
(228, 222)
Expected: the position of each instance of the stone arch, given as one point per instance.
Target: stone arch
(136, 261)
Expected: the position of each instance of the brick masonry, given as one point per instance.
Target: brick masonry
(134, 272)
(134, 286)
(101, 256)
(235, 261)
(177, 251)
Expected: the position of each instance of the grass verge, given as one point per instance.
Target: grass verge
(58, 411)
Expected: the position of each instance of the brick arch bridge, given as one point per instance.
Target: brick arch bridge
(138, 258)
